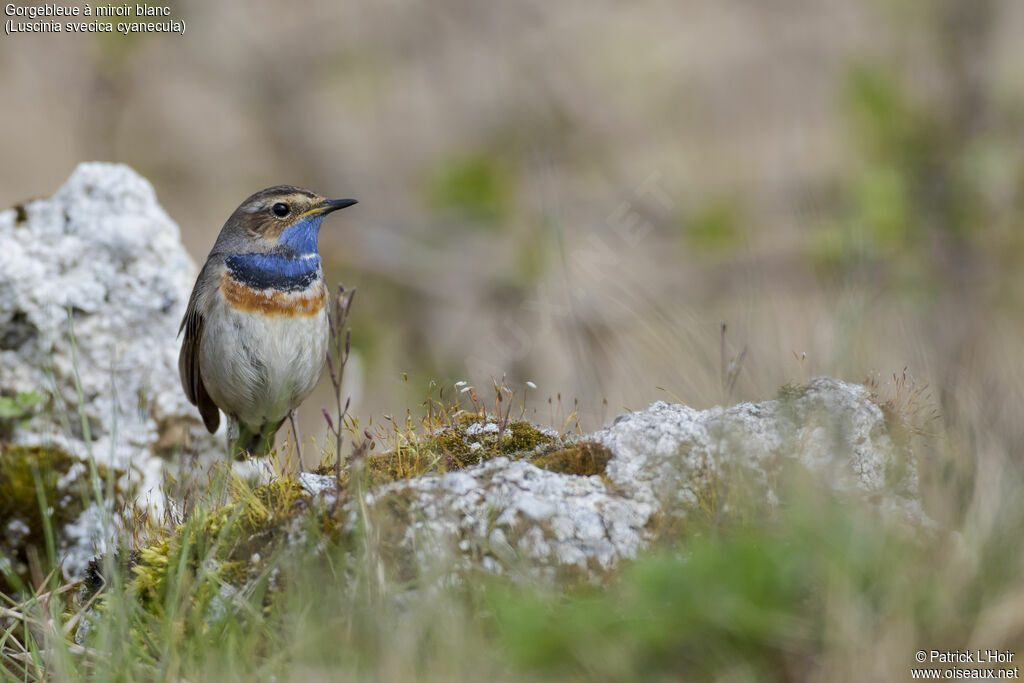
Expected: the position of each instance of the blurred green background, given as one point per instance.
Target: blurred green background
(578, 194)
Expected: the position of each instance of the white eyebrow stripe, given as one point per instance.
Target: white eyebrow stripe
(291, 199)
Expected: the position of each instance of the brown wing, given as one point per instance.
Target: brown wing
(188, 362)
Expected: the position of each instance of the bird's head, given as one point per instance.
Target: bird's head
(282, 219)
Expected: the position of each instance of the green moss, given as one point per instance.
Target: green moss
(250, 523)
(235, 573)
(270, 504)
(525, 437)
(222, 541)
(469, 440)
(26, 472)
(150, 571)
(20, 469)
(17, 409)
(585, 458)
(791, 392)
(453, 445)
(476, 439)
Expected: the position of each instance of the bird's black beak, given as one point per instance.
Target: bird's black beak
(335, 204)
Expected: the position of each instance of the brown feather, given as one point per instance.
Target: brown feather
(188, 364)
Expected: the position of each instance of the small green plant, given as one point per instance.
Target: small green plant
(16, 410)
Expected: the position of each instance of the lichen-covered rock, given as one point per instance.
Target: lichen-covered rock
(671, 455)
(510, 513)
(666, 461)
(103, 252)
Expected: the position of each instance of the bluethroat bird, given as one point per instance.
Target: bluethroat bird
(256, 325)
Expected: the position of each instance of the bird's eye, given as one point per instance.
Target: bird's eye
(280, 209)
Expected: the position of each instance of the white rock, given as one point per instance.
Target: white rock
(535, 508)
(458, 482)
(103, 248)
(315, 484)
(507, 511)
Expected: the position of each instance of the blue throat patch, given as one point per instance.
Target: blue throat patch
(301, 237)
(274, 271)
(295, 269)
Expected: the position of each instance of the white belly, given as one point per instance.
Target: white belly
(259, 367)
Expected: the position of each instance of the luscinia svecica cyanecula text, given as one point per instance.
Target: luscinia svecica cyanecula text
(256, 326)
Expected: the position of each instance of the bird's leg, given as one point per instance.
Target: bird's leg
(232, 433)
(295, 433)
(236, 449)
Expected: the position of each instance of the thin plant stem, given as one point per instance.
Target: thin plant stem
(298, 439)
